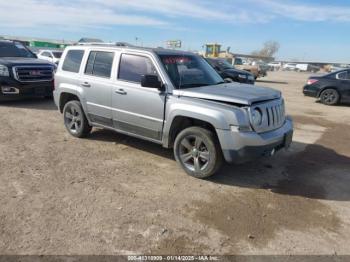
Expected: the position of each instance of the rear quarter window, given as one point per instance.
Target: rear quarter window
(343, 75)
(73, 60)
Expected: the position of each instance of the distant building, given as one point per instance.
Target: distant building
(39, 43)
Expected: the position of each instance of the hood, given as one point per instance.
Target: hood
(13, 61)
(231, 92)
(236, 71)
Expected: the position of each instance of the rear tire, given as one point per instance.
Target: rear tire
(330, 97)
(198, 152)
(75, 120)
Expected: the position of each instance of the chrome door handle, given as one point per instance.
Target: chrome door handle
(120, 91)
(85, 84)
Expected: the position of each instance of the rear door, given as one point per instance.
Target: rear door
(344, 78)
(136, 109)
(96, 81)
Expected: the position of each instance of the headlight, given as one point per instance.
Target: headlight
(251, 78)
(242, 76)
(256, 117)
(4, 71)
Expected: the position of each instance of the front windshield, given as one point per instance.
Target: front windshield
(238, 61)
(57, 54)
(187, 71)
(225, 65)
(10, 49)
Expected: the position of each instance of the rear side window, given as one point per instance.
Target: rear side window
(133, 67)
(46, 54)
(343, 75)
(99, 64)
(73, 60)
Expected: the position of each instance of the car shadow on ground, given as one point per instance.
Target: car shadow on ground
(317, 172)
(342, 104)
(111, 136)
(31, 103)
(271, 82)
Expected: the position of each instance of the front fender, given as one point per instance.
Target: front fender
(219, 115)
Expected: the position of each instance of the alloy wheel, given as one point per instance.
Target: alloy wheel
(194, 153)
(73, 119)
(329, 96)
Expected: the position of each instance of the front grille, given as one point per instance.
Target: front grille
(33, 73)
(273, 115)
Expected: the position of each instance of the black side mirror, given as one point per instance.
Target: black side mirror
(151, 81)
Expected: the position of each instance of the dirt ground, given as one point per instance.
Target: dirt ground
(112, 194)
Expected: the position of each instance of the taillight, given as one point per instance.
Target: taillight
(311, 81)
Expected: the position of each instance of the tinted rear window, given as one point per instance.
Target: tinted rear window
(99, 64)
(73, 60)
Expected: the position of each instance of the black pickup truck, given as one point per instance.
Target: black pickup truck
(22, 74)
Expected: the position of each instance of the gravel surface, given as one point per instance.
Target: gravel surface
(112, 194)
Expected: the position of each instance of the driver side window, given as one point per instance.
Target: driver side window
(133, 67)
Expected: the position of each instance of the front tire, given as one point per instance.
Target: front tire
(198, 152)
(75, 120)
(330, 97)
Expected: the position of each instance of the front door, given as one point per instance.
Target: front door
(136, 109)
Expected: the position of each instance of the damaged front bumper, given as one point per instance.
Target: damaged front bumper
(238, 147)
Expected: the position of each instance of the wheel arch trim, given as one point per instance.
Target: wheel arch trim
(328, 87)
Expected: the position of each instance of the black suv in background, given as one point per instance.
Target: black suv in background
(22, 74)
(331, 88)
(229, 72)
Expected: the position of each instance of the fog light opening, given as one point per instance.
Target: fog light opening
(9, 90)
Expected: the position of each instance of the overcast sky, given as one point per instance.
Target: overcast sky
(306, 30)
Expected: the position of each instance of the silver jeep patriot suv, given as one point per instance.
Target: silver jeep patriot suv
(172, 98)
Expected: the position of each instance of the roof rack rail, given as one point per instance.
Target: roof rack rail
(121, 44)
